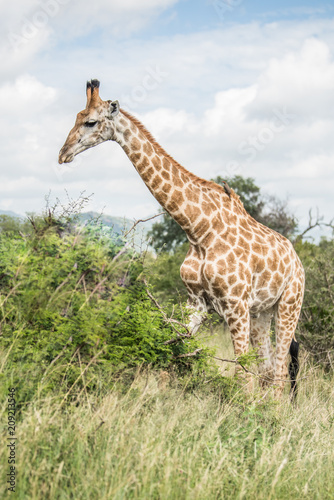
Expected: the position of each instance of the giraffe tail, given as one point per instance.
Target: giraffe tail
(294, 367)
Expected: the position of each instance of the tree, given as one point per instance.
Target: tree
(164, 273)
(276, 216)
(316, 324)
(9, 224)
(66, 305)
(270, 211)
(249, 192)
(167, 235)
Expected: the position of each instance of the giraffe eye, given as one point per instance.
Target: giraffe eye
(90, 124)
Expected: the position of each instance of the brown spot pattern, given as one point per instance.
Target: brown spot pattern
(235, 265)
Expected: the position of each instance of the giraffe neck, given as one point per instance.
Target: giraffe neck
(181, 193)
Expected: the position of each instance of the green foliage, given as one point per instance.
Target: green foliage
(10, 224)
(317, 317)
(249, 192)
(84, 347)
(167, 235)
(270, 211)
(164, 271)
(249, 358)
(72, 300)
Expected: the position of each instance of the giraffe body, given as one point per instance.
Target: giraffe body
(235, 266)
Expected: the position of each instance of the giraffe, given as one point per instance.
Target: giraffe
(235, 266)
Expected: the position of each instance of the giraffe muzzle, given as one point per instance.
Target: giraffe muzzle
(64, 157)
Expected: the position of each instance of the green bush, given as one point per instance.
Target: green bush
(74, 308)
(164, 272)
(317, 318)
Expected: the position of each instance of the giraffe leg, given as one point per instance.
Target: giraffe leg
(190, 275)
(198, 314)
(260, 339)
(287, 314)
(238, 320)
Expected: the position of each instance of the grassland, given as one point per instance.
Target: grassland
(159, 437)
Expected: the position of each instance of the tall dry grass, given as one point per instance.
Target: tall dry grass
(157, 440)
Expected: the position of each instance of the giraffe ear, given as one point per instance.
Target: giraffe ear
(114, 109)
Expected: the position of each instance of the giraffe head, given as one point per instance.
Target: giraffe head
(93, 125)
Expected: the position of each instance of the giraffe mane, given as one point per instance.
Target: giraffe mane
(159, 149)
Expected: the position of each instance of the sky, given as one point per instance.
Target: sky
(227, 87)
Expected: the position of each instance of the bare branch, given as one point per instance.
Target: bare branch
(314, 222)
(142, 220)
(181, 336)
(189, 354)
(122, 251)
(265, 377)
(32, 222)
(92, 293)
(171, 321)
(236, 362)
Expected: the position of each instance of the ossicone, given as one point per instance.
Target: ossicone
(92, 91)
(93, 84)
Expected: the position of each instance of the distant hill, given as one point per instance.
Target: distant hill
(120, 225)
(10, 214)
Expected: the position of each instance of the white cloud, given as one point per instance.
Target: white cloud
(303, 80)
(27, 94)
(229, 108)
(278, 130)
(215, 111)
(121, 18)
(29, 27)
(25, 119)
